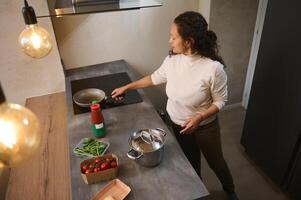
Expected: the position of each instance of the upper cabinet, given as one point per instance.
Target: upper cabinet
(73, 7)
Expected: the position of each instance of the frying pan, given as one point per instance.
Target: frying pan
(84, 98)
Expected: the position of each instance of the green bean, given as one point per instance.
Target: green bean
(90, 147)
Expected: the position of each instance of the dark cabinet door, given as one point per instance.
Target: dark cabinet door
(295, 183)
(272, 122)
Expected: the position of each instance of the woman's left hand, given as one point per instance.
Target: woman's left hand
(191, 124)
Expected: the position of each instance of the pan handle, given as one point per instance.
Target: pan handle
(110, 100)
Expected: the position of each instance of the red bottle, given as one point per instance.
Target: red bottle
(97, 120)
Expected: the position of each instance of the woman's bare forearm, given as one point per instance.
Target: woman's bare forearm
(141, 83)
(212, 110)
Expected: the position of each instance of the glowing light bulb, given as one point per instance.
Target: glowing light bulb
(35, 41)
(8, 140)
(19, 134)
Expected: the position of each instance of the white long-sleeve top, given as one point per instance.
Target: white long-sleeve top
(193, 83)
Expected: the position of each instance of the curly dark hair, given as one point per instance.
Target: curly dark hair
(193, 27)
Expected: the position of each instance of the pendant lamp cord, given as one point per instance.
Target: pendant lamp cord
(2, 96)
(28, 14)
(26, 4)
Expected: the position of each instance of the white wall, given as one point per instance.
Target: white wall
(138, 36)
(204, 8)
(21, 76)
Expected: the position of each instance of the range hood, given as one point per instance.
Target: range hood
(73, 7)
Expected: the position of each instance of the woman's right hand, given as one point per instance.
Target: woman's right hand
(117, 94)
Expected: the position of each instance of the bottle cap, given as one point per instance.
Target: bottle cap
(95, 106)
(94, 101)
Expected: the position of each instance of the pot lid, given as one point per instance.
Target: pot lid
(147, 140)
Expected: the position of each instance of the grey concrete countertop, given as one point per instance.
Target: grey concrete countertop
(173, 179)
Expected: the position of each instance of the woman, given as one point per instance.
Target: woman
(196, 86)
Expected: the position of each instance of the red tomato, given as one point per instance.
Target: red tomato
(91, 166)
(84, 168)
(113, 164)
(96, 169)
(97, 160)
(88, 171)
(104, 166)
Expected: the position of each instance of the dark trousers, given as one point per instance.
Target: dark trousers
(207, 139)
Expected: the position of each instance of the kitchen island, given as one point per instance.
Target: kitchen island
(173, 179)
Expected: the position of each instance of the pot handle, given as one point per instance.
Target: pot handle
(133, 154)
(162, 131)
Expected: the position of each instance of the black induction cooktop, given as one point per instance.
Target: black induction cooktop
(107, 83)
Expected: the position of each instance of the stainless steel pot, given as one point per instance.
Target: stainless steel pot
(147, 146)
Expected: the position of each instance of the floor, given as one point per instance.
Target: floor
(251, 183)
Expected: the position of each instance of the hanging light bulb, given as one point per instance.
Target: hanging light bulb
(34, 40)
(19, 133)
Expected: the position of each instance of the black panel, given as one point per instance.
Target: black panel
(272, 122)
(107, 83)
(295, 184)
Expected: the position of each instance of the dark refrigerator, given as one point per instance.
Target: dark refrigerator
(272, 128)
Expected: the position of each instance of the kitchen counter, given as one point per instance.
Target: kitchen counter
(173, 179)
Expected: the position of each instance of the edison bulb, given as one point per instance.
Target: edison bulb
(35, 41)
(19, 134)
